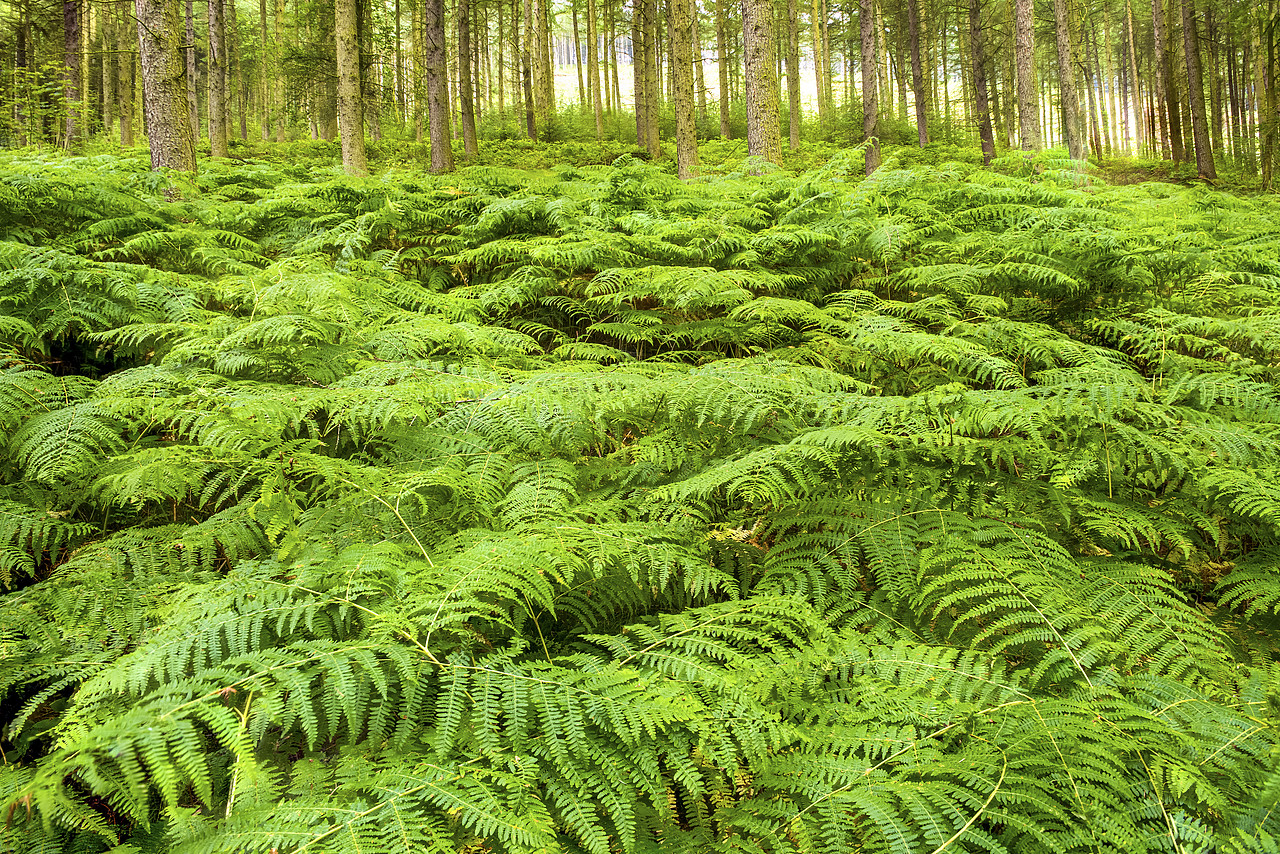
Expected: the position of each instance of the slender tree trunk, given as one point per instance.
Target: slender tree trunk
(977, 54)
(722, 63)
(86, 84)
(639, 76)
(126, 44)
(820, 70)
(1164, 40)
(793, 72)
(917, 73)
(108, 76)
(764, 134)
(1135, 93)
(217, 81)
(1028, 114)
(526, 72)
(545, 96)
(699, 73)
(277, 98)
(1096, 120)
(1067, 83)
(436, 66)
(350, 94)
(682, 72)
(1217, 112)
(870, 102)
(1195, 91)
(71, 86)
(577, 56)
(593, 69)
(465, 94)
(193, 105)
(163, 85)
(1268, 113)
(653, 84)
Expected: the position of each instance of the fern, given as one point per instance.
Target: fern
(596, 511)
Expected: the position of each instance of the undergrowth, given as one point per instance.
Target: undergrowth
(589, 510)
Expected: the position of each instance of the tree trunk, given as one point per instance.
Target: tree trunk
(593, 69)
(820, 70)
(870, 103)
(1268, 112)
(126, 44)
(682, 72)
(193, 104)
(793, 72)
(653, 85)
(577, 56)
(436, 66)
(917, 73)
(764, 134)
(164, 85)
(699, 78)
(638, 74)
(350, 95)
(1028, 114)
(526, 72)
(1217, 112)
(277, 99)
(216, 79)
(1135, 93)
(465, 87)
(1067, 83)
(722, 63)
(71, 85)
(1096, 122)
(1162, 39)
(977, 53)
(1195, 91)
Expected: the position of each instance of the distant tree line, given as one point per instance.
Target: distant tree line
(1164, 78)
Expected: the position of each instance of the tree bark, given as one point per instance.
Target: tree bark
(1166, 79)
(722, 63)
(764, 134)
(652, 82)
(217, 81)
(1195, 91)
(917, 74)
(164, 85)
(1135, 93)
(682, 72)
(977, 53)
(639, 76)
(526, 72)
(820, 70)
(277, 99)
(1067, 83)
(465, 87)
(577, 56)
(436, 66)
(71, 84)
(593, 69)
(350, 94)
(793, 73)
(126, 44)
(193, 104)
(870, 102)
(1025, 54)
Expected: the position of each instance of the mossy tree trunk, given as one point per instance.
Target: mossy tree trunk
(164, 85)
(350, 95)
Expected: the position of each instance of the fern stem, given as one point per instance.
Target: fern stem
(1004, 769)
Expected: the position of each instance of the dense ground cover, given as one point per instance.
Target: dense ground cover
(587, 510)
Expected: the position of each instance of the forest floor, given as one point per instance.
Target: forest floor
(555, 504)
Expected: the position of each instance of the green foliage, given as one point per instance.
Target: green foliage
(592, 511)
